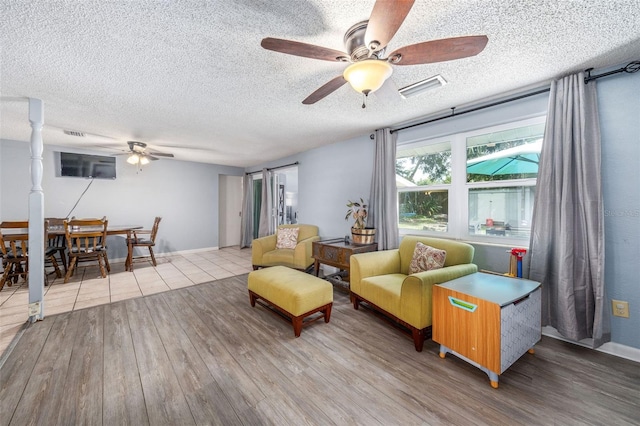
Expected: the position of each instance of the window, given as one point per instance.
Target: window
(423, 179)
(476, 185)
(501, 211)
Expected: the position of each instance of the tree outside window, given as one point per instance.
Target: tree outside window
(423, 178)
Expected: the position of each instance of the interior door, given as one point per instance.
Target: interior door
(230, 209)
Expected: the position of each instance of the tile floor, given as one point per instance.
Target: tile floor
(87, 288)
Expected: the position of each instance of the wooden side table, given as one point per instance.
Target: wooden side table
(488, 320)
(336, 253)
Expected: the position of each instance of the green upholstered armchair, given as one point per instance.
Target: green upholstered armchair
(264, 252)
(381, 280)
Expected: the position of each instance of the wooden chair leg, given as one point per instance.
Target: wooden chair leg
(355, 301)
(102, 272)
(5, 274)
(418, 338)
(13, 275)
(63, 258)
(54, 262)
(25, 271)
(153, 258)
(106, 261)
(20, 272)
(72, 265)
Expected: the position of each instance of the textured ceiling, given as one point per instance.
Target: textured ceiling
(190, 77)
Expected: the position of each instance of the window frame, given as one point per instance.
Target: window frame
(458, 207)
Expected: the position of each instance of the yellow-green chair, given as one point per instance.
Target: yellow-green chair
(264, 252)
(381, 279)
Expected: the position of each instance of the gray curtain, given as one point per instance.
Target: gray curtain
(567, 232)
(246, 231)
(383, 200)
(266, 209)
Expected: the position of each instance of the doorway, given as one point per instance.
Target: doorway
(229, 210)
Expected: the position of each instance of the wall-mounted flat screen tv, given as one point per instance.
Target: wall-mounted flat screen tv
(87, 166)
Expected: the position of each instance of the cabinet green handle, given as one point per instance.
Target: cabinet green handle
(462, 304)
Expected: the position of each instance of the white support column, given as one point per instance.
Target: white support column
(36, 214)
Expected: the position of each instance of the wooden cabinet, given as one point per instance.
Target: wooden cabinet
(488, 320)
(337, 254)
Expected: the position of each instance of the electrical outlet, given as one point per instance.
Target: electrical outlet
(620, 308)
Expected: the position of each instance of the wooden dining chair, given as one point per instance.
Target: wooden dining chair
(138, 240)
(56, 243)
(15, 252)
(86, 242)
(50, 255)
(14, 247)
(104, 244)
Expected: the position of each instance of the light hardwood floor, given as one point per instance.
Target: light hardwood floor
(87, 288)
(202, 355)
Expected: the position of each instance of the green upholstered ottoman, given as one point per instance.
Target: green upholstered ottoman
(295, 294)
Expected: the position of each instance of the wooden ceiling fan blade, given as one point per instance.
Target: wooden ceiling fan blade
(297, 48)
(446, 49)
(386, 17)
(325, 90)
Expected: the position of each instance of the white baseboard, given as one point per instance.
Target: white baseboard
(171, 253)
(610, 348)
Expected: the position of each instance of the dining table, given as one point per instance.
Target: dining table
(57, 230)
(125, 230)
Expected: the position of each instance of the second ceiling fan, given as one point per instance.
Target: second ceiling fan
(139, 154)
(365, 43)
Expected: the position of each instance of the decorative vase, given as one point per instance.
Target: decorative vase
(363, 235)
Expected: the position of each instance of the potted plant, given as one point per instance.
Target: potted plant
(360, 233)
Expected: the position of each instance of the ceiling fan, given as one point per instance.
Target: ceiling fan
(366, 43)
(139, 155)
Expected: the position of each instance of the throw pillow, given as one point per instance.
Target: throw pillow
(426, 258)
(287, 238)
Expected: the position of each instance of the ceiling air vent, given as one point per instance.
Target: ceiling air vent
(74, 133)
(422, 86)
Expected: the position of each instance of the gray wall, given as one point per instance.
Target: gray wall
(185, 194)
(327, 178)
(330, 175)
(619, 107)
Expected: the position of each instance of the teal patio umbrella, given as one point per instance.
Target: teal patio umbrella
(521, 159)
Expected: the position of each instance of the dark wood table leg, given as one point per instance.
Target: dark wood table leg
(127, 265)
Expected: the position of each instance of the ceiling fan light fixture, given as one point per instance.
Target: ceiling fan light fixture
(133, 159)
(420, 87)
(144, 160)
(368, 75)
